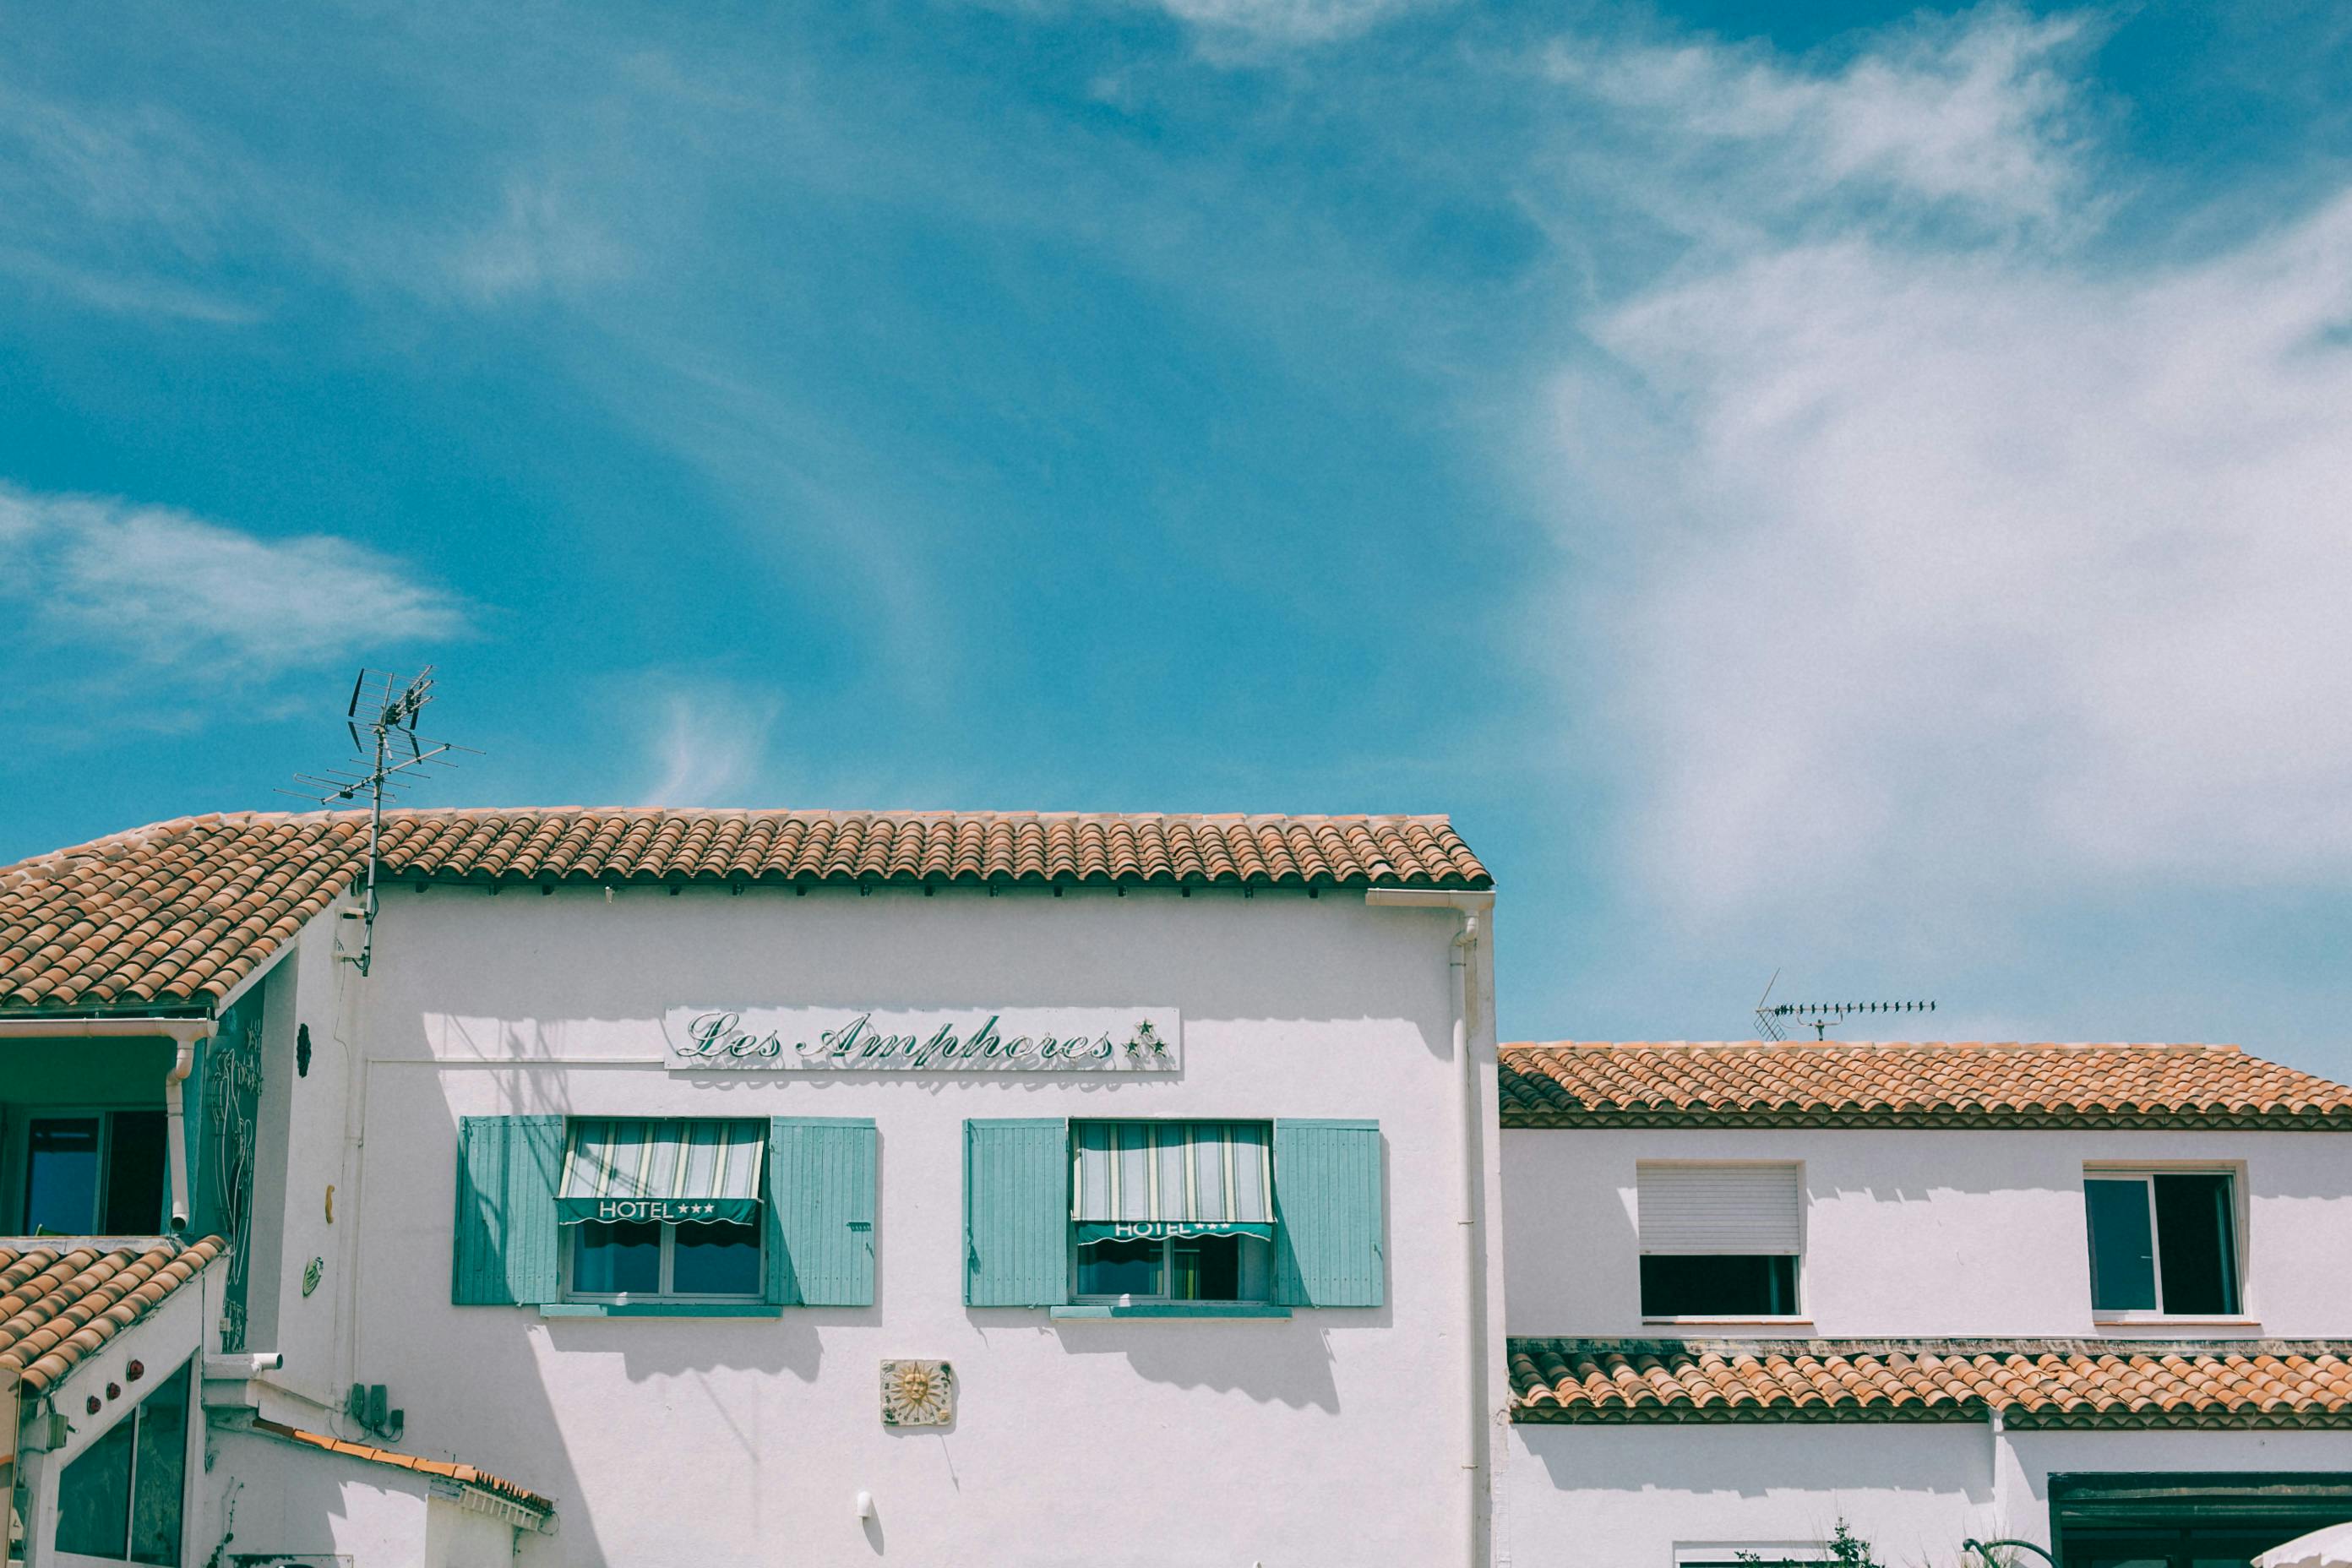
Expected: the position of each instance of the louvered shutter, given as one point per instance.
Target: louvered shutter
(506, 1236)
(1329, 1243)
(820, 1218)
(1016, 1212)
(1742, 1211)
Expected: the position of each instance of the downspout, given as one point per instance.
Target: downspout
(1476, 910)
(184, 1033)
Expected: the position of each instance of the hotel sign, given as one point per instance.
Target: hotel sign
(961, 1039)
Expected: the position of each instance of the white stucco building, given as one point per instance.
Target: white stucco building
(758, 1187)
(2095, 1298)
(752, 1188)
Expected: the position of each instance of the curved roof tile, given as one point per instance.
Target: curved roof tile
(1839, 1083)
(2062, 1384)
(179, 913)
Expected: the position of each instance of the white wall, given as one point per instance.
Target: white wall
(1925, 1233)
(279, 1497)
(1336, 1435)
(1629, 1496)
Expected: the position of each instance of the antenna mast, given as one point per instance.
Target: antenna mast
(1819, 1017)
(390, 730)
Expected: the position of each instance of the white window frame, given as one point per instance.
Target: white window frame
(668, 1271)
(2144, 1174)
(1804, 1254)
(20, 1169)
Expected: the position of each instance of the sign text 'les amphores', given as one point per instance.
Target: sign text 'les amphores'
(1059, 1040)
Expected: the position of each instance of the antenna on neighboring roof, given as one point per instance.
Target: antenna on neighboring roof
(388, 746)
(1818, 1016)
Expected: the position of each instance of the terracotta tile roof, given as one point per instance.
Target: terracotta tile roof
(59, 1302)
(178, 913)
(2084, 1382)
(447, 1469)
(1839, 1083)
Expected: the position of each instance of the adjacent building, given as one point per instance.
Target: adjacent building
(2095, 1298)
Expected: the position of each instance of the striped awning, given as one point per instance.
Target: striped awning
(1144, 1180)
(680, 1169)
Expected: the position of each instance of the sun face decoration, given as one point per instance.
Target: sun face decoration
(918, 1394)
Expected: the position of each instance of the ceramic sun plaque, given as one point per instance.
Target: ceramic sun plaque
(918, 1394)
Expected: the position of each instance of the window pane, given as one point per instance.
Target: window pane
(161, 1473)
(615, 1260)
(94, 1495)
(62, 1175)
(2123, 1260)
(1221, 1269)
(1120, 1269)
(716, 1260)
(2198, 1253)
(1719, 1286)
(134, 1175)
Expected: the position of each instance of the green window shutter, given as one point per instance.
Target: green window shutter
(1326, 1198)
(820, 1218)
(507, 1238)
(1016, 1212)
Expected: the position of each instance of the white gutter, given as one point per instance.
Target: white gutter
(1477, 910)
(184, 1033)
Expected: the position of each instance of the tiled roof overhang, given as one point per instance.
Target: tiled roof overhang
(180, 914)
(62, 1299)
(2052, 1383)
(446, 1469)
(1841, 1084)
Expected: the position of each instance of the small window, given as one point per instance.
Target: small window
(1719, 1241)
(94, 1173)
(664, 1209)
(2163, 1242)
(1173, 1211)
(121, 1498)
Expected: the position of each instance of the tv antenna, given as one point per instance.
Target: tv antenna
(1772, 1019)
(382, 719)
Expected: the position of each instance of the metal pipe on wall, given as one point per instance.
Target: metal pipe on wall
(1466, 953)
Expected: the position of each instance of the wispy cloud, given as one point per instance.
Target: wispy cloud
(710, 745)
(1232, 22)
(172, 592)
(1969, 570)
(1975, 118)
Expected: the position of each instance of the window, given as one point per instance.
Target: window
(94, 1173)
(664, 1209)
(2163, 1242)
(1173, 1211)
(1719, 1241)
(121, 1497)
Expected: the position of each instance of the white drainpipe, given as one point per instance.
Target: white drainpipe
(184, 1033)
(1476, 910)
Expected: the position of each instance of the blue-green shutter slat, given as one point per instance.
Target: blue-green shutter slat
(820, 1203)
(1016, 1212)
(506, 1236)
(1327, 1195)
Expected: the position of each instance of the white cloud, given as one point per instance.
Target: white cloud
(168, 590)
(1284, 21)
(710, 745)
(1976, 116)
(540, 241)
(1974, 571)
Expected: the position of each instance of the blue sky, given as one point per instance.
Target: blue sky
(1840, 489)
